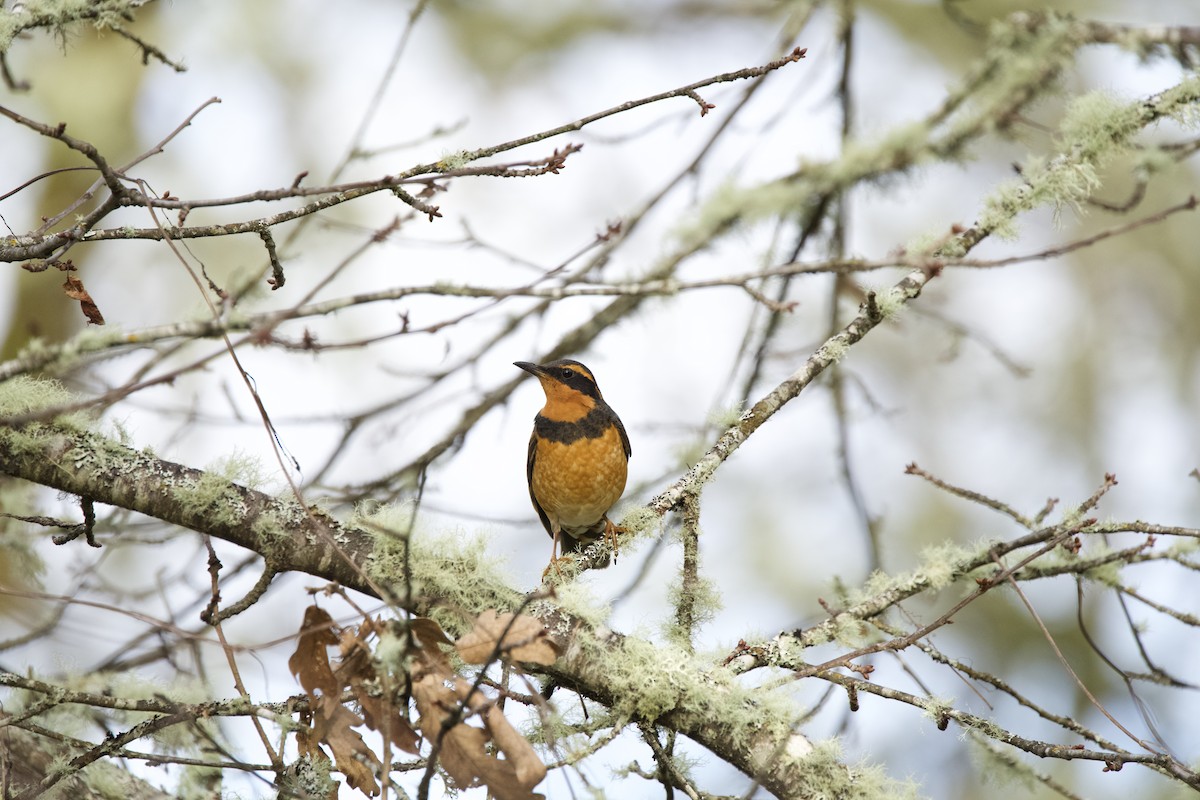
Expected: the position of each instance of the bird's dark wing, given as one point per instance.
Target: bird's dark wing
(624, 435)
(529, 460)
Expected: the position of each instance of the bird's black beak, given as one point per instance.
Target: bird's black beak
(533, 369)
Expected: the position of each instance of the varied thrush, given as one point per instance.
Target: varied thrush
(578, 457)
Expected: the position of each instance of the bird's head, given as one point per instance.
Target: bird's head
(570, 387)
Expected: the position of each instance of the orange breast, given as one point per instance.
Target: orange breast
(577, 483)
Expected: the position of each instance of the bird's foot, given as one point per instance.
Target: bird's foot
(555, 565)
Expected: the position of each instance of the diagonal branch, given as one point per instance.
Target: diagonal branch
(641, 680)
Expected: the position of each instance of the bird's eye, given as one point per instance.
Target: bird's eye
(567, 372)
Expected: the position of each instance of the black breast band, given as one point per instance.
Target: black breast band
(590, 426)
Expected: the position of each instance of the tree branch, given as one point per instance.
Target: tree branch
(643, 680)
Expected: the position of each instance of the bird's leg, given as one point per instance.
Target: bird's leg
(610, 535)
(554, 559)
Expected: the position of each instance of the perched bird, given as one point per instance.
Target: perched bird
(578, 457)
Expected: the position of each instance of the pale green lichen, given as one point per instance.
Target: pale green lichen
(578, 600)
(649, 679)
(309, 776)
(1059, 183)
(239, 467)
(727, 416)
(826, 775)
(1182, 547)
(834, 350)
(1151, 161)
(791, 649)
(1021, 62)
(640, 522)
(998, 768)
(941, 563)
(58, 14)
(940, 566)
(199, 783)
(107, 784)
(21, 561)
(937, 709)
(138, 686)
(890, 302)
(457, 568)
(213, 498)
(1097, 121)
(392, 651)
(25, 395)
(1096, 128)
(924, 245)
(13, 23)
(1071, 517)
(278, 520)
(65, 718)
(384, 519)
(1107, 574)
(877, 583)
(727, 202)
(852, 632)
(703, 601)
(68, 355)
(452, 161)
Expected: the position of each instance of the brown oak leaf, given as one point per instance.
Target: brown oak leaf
(310, 662)
(430, 637)
(334, 724)
(524, 639)
(516, 748)
(74, 289)
(462, 750)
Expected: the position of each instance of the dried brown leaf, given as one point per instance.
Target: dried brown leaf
(516, 748)
(429, 657)
(356, 660)
(434, 702)
(357, 670)
(306, 743)
(470, 697)
(379, 714)
(334, 725)
(74, 289)
(428, 632)
(462, 752)
(525, 639)
(462, 749)
(464, 757)
(310, 662)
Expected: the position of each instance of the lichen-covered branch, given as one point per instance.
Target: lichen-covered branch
(636, 678)
(31, 758)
